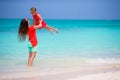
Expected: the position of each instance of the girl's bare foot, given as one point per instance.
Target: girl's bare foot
(56, 30)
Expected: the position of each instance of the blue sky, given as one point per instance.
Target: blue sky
(62, 9)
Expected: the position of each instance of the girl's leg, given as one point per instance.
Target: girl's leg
(31, 58)
(51, 28)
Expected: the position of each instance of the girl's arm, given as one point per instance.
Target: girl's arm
(40, 18)
(33, 22)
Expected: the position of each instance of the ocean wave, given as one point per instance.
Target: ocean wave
(104, 61)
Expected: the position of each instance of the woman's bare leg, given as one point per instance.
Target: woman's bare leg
(31, 58)
(30, 54)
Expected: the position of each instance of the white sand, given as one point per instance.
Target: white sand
(79, 72)
(114, 75)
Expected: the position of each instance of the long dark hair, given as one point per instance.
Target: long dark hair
(23, 30)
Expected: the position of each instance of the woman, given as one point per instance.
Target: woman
(25, 29)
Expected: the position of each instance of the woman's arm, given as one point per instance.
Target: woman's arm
(38, 26)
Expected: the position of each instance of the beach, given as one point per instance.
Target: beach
(101, 76)
(83, 50)
(57, 69)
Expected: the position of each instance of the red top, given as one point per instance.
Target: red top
(32, 36)
(37, 20)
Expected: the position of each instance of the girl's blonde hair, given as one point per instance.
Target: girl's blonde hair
(33, 9)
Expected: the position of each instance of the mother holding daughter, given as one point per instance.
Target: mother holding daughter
(25, 29)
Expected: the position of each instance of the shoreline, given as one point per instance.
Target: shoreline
(63, 73)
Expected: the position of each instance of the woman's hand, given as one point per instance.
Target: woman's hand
(38, 26)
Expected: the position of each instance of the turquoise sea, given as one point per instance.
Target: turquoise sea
(89, 39)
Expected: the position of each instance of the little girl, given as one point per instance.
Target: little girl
(37, 19)
(25, 29)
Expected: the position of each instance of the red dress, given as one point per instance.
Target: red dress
(37, 20)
